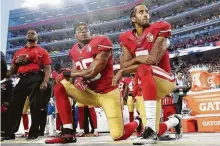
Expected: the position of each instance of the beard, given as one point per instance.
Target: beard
(31, 40)
(142, 23)
(86, 41)
(146, 25)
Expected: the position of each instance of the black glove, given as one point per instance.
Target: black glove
(67, 73)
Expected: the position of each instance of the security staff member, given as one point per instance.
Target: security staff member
(27, 63)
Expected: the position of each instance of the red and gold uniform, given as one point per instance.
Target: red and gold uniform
(130, 103)
(102, 83)
(135, 99)
(121, 87)
(156, 81)
(100, 91)
(57, 77)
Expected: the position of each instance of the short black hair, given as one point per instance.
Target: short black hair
(79, 24)
(180, 71)
(133, 11)
(57, 66)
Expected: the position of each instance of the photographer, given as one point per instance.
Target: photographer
(180, 91)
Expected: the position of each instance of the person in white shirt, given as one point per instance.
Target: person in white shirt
(180, 91)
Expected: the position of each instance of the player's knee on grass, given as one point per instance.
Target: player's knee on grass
(116, 135)
(115, 123)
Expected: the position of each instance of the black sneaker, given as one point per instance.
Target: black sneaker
(149, 136)
(40, 134)
(66, 136)
(178, 127)
(31, 137)
(8, 137)
(165, 138)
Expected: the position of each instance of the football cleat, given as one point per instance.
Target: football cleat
(147, 137)
(165, 138)
(66, 136)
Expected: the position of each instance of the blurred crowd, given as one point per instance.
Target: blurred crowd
(113, 16)
(204, 39)
(212, 63)
(68, 36)
(194, 5)
(195, 22)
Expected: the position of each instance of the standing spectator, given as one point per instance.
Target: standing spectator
(27, 63)
(180, 91)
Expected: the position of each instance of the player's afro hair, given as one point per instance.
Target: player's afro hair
(79, 24)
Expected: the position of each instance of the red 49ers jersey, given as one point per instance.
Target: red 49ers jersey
(143, 45)
(130, 82)
(121, 86)
(126, 81)
(137, 87)
(83, 57)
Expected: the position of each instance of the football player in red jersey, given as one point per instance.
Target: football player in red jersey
(25, 117)
(92, 75)
(123, 87)
(129, 82)
(57, 76)
(145, 52)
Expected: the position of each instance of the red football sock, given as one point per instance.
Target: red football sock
(128, 130)
(93, 117)
(131, 116)
(149, 91)
(81, 113)
(162, 129)
(63, 104)
(58, 122)
(25, 122)
(145, 74)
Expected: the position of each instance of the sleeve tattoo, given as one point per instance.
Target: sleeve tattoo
(159, 48)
